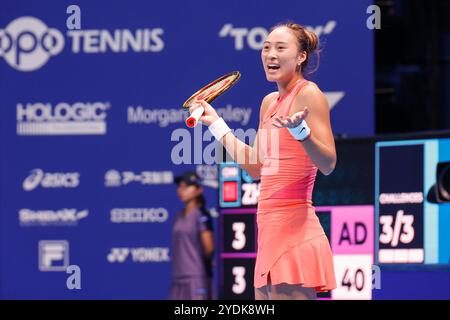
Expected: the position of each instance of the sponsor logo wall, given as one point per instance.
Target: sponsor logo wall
(86, 123)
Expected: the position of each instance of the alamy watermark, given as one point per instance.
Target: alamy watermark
(374, 20)
(73, 281)
(246, 147)
(73, 22)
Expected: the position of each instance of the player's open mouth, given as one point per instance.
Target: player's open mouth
(273, 66)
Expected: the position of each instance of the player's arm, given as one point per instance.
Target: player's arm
(320, 145)
(250, 158)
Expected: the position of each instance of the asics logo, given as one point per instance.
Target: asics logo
(38, 177)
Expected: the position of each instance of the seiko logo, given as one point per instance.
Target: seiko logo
(139, 215)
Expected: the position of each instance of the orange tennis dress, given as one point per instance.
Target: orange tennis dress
(292, 246)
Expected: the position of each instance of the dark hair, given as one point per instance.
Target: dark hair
(307, 41)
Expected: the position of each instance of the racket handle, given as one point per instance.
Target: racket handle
(192, 120)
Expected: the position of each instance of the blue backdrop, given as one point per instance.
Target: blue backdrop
(88, 117)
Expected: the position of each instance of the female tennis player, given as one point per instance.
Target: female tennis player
(294, 259)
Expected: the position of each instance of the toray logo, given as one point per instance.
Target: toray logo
(254, 37)
(27, 43)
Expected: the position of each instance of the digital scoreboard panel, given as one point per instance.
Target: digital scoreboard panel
(350, 230)
(385, 210)
(412, 202)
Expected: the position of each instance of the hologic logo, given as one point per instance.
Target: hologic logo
(27, 43)
(61, 119)
(38, 178)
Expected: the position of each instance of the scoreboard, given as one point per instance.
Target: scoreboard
(412, 202)
(351, 236)
(238, 198)
(385, 210)
(349, 229)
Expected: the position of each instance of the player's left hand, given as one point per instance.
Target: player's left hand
(292, 121)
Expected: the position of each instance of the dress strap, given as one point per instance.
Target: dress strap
(272, 109)
(300, 86)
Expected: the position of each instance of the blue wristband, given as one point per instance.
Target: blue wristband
(300, 132)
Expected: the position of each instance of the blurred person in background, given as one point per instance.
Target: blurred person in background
(192, 243)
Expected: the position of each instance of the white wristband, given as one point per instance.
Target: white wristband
(300, 132)
(219, 128)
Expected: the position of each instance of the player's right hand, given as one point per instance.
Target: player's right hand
(209, 115)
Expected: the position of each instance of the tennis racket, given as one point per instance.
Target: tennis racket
(208, 93)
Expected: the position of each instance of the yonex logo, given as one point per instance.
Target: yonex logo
(138, 255)
(27, 43)
(118, 255)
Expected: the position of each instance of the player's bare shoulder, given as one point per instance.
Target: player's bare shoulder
(312, 96)
(270, 97)
(311, 91)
